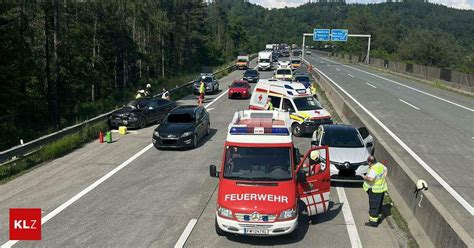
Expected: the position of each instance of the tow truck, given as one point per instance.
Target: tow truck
(263, 177)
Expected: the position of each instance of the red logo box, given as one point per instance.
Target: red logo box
(25, 224)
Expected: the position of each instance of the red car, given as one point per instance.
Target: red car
(239, 89)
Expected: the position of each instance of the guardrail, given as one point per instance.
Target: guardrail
(20, 151)
(432, 217)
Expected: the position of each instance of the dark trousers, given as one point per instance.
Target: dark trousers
(375, 205)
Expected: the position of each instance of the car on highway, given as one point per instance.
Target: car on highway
(284, 64)
(284, 74)
(295, 63)
(308, 52)
(183, 127)
(210, 81)
(263, 180)
(239, 89)
(302, 78)
(251, 76)
(139, 113)
(349, 149)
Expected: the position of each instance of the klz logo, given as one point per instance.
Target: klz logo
(25, 224)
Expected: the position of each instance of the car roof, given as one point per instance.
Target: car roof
(185, 109)
(339, 127)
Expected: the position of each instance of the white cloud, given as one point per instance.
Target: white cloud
(459, 4)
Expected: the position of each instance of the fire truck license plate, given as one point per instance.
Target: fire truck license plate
(256, 231)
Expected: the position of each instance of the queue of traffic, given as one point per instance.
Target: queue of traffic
(263, 177)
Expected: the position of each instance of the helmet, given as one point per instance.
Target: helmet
(148, 85)
(314, 155)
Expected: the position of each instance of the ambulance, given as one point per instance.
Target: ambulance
(306, 113)
(263, 177)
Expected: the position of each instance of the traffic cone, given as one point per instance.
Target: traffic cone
(101, 137)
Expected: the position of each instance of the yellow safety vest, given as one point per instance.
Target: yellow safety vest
(270, 106)
(379, 185)
(313, 90)
(202, 88)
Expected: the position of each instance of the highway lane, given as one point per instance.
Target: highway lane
(151, 201)
(436, 124)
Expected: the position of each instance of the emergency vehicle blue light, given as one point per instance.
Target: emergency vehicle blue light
(280, 130)
(265, 218)
(289, 93)
(238, 130)
(246, 217)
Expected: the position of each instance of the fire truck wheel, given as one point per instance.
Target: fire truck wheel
(296, 129)
(219, 230)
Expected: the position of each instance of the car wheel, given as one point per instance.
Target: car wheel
(141, 122)
(208, 129)
(195, 141)
(296, 130)
(218, 229)
(294, 234)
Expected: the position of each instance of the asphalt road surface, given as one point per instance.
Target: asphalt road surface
(129, 194)
(436, 124)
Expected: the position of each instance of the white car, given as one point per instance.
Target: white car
(284, 64)
(349, 149)
(308, 52)
(285, 74)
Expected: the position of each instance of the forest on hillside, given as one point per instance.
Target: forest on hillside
(63, 61)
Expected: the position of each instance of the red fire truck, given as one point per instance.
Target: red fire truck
(263, 178)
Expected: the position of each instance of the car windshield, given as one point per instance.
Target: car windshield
(180, 118)
(264, 61)
(295, 61)
(302, 79)
(284, 72)
(206, 79)
(307, 103)
(239, 85)
(258, 164)
(136, 104)
(242, 60)
(250, 73)
(346, 137)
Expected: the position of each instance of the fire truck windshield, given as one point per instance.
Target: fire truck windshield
(258, 164)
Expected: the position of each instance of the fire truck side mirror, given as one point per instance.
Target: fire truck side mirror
(301, 176)
(213, 171)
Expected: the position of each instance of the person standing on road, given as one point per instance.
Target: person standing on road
(202, 91)
(375, 185)
(148, 90)
(314, 90)
(269, 105)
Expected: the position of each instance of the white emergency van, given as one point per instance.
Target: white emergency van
(305, 111)
(265, 61)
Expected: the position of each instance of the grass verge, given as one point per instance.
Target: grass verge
(51, 151)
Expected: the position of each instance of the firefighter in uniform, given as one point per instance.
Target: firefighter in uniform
(375, 185)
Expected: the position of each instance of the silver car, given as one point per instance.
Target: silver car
(348, 150)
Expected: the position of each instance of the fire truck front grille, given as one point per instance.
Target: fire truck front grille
(262, 218)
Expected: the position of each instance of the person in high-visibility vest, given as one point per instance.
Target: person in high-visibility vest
(269, 105)
(375, 184)
(314, 90)
(202, 91)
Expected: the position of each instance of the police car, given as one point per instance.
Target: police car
(210, 81)
(262, 177)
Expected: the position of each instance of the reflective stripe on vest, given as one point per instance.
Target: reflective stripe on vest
(379, 185)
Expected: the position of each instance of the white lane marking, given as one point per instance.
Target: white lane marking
(406, 86)
(78, 196)
(328, 65)
(348, 218)
(371, 85)
(209, 109)
(409, 104)
(350, 75)
(187, 231)
(337, 69)
(433, 173)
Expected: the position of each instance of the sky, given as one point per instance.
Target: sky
(459, 4)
